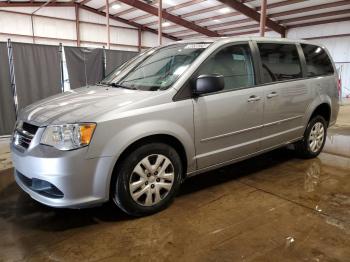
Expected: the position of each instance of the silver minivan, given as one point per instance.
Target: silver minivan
(173, 112)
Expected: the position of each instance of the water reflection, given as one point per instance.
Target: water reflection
(312, 176)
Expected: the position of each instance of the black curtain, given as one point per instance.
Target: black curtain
(85, 66)
(115, 58)
(37, 72)
(7, 104)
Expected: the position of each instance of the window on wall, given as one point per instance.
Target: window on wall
(317, 61)
(234, 63)
(280, 62)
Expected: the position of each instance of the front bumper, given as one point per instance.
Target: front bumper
(78, 180)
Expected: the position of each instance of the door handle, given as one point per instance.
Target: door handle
(254, 98)
(272, 94)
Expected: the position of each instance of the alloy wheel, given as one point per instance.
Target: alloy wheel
(151, 180)
(316, 137)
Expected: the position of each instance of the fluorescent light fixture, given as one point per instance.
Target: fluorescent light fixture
(116, 6)
(225, 10)
(165, 24)
(216, 20)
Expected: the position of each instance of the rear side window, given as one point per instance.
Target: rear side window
(234, 63)
(318, 62)
(280, 62)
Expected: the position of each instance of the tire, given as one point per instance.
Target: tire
(312, 144)
(140, 188)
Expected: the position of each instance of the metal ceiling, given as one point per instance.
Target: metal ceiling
(184, 18)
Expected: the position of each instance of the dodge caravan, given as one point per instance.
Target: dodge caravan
(173, 112)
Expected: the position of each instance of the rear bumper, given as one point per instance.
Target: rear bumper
(62, 179)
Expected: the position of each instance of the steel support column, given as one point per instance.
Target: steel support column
(160, 18)
(263, 17)
(139, 34)
(77, 24)
(107, 24)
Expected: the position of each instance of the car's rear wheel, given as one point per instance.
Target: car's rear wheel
(147, 179)
(314, 138)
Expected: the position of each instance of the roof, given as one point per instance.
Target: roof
(185, 19)
(238, 38)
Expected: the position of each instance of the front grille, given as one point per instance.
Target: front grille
(41, 187)
(30, 128)
(23, 135)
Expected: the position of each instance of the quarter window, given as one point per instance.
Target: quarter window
(317, 61)
(234, 63)
(280, 62)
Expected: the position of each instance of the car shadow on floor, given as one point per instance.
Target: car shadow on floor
(19, 209)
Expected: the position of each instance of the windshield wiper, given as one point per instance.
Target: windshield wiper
(119, 86)
(102, 84)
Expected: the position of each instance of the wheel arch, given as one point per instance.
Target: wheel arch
(324, 110)
(160, 138)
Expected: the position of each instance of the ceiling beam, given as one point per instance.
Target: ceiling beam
(273, 15)
(207, 10)
(310, 8)
(125, 21)
(84, 2)
(251, 13)
(167, 16)
(216, 26)
(170, 9)
(33, 4)
(238, 27)
(132, 9)
(336, 20)
(234, 13)
(316, 16)
(127, 11)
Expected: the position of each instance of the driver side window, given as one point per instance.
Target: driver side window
(234, 63)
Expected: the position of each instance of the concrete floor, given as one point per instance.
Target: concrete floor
(274, 207)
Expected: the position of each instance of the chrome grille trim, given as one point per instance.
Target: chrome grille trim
(22, 138)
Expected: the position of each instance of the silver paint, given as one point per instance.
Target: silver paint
(214, 130)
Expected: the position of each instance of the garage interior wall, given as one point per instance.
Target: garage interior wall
(17, 26)
(7, 105)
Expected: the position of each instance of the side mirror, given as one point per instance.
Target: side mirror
(208, 84)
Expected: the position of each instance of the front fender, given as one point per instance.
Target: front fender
(175, 119)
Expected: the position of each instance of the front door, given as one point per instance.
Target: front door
(228, 123)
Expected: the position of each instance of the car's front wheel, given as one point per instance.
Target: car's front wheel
(147, 179)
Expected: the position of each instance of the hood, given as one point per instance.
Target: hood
(78, 104)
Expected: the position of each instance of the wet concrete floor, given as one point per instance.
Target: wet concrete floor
(274, 207)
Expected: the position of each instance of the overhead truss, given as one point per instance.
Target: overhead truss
(193, 26)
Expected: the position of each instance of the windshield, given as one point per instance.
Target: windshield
(157, 69)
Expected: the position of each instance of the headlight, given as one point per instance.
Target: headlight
(69, 136)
